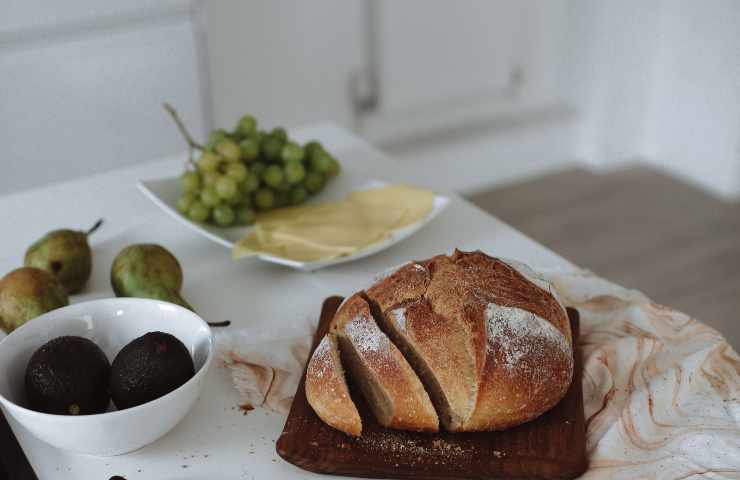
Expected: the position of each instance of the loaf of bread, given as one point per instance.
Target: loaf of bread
(486, 340)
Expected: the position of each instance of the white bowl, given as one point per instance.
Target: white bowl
(111, 324)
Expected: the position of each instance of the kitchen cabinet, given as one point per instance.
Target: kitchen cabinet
(82, 82)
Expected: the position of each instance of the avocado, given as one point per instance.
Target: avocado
(68, 376)
(149, 367)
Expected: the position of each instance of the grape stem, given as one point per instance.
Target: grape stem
(94, 227)
(192, 144)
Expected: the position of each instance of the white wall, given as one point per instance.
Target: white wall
(523, 87)
(470, 93)
(658, 81)
(82, 82)
(610, 48)
(694, 118)
(286, 62)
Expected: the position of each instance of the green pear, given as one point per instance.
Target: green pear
(148, 271)
(26, 293)
(65, 254)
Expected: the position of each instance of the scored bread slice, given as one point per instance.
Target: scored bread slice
(326, 389)
(438, 347)
(389, 384)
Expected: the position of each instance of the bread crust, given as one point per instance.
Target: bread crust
(490, 341)
(387, 381)
(438, 347)
(326, 389)
(516, 360)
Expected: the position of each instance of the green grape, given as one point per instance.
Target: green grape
(282, 198)
(292, 152)
(245, 215)
(264, 198)
(314, 182)
(298, 195)
(224, 215)
(208, 162)
(198, 212)
(273, 175)
(334, 168)
(210, 178)
(258, 168)
(245, 200)
(190, 181)
(215, 137)
(250, 149)
(280, 133)
(184, 202)
(320, 161)
(226, 188)
(312, 147)
(236, 199)
(209, 197)
(247, 126)
(272, 146)
(250, 184)
(237, 171)
(228, 149)
(295, 172)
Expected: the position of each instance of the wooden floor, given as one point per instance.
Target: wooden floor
(640, 228)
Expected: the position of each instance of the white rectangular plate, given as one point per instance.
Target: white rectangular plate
(164, 193)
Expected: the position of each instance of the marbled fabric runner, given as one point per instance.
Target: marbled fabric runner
(661, 390)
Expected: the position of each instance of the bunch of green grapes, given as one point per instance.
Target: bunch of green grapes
(246, 170)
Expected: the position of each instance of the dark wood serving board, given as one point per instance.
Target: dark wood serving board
(550, 447)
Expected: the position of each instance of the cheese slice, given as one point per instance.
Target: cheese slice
(417, 203)
(332, 229)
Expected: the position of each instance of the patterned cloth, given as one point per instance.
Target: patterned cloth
(661, 390)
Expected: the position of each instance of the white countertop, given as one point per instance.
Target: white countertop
(216, 440)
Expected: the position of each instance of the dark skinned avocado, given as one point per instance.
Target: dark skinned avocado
(68, 376)
(149, 367)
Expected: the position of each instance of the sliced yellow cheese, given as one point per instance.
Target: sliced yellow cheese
(328, 230)
(417, 203)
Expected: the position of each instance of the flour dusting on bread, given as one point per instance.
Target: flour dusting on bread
(366, 336)
(516, 332)
(321, 360)
(399, 315)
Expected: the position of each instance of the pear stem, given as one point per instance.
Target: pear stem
(192, 144)
(94, 227)
(225, 323)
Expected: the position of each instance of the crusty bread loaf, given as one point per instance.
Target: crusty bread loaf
(326, 388)
(489, 339)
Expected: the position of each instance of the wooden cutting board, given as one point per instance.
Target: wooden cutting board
(550, 447)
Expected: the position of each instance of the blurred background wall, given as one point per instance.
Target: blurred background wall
(471, 93)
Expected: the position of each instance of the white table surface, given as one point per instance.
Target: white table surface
(216, 440)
